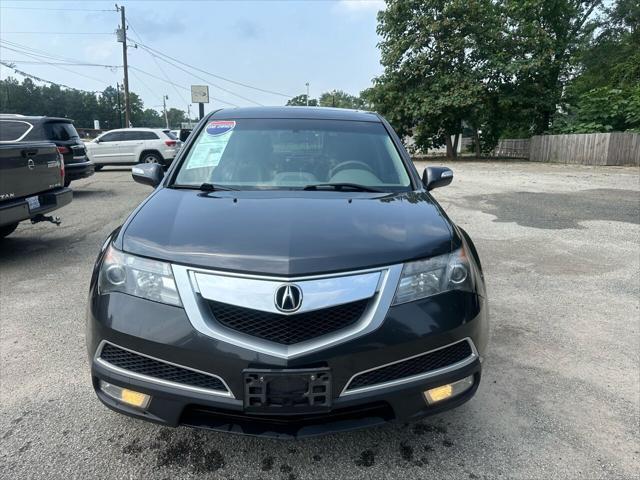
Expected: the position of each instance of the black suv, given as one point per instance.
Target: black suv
(290, 275)
(60, 131)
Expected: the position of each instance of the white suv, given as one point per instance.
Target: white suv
(127, 146)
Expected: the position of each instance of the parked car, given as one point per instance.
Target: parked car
(128, 146)
(290, 275)
(60, 131)
(31, 184)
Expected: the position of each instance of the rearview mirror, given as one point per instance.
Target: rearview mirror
(148, 174)
(435, 177)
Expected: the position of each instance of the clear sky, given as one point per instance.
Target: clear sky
(273, 45)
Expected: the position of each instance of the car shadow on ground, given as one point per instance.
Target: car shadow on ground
(78, 194)
(556, 211)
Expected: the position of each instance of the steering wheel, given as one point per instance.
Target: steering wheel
(350, 163)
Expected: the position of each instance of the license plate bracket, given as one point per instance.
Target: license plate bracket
(277, 392)
(34, 203)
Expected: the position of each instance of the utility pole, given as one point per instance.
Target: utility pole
(122, 37)
(307, 84)
(164, 108)
(189, 114)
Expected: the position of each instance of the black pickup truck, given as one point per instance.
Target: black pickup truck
(60, 131)
(31, 184)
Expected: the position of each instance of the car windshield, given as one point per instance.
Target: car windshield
(293, 154)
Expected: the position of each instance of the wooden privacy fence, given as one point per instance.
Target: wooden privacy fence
(512, 148)
(618, 148)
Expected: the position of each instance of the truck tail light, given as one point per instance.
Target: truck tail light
(61, 162)
(170, 143)
(63, 150)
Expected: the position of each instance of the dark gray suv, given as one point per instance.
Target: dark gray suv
(290, 275)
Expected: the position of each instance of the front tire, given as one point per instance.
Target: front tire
(7, 229)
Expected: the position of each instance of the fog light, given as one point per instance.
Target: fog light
(124, 395)
(443, 392)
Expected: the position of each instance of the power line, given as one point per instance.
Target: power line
(36, 56)
(59, 33)
(158, 65)
(144, 84)
(139, 70)
(162, 54)
(201, 78)
(41, 62)
(39, 79)
(56, 9)
(40, 53)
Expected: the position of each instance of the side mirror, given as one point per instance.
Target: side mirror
(435, 177)
(148, 174)
(96, 140)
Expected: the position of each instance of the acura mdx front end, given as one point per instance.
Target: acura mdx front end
(290, 275)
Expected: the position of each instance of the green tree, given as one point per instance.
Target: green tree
(605, 93)
(441, 60)
(301, 100)
(176, 117)
(340, 99)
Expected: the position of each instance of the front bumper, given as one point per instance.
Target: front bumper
(165, 333)
(18, 210)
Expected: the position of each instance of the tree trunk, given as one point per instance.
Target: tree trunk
(455, 145)
(451, 153)
(476, 142)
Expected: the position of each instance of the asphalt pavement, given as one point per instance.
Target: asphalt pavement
(560, 396)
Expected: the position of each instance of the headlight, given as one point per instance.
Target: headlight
(141, 277)
(424, 278)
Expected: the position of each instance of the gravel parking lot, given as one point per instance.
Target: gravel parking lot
(560, 396)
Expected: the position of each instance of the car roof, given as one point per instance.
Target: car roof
(137, 129)
(34, 118)
(319, 113)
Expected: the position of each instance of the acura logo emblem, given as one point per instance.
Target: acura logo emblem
(288, 298)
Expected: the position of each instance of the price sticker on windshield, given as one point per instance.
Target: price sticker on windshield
(220, 127)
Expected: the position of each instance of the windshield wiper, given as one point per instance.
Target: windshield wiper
(341, 186)
(205, 187)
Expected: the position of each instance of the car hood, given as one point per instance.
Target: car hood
(286, 233)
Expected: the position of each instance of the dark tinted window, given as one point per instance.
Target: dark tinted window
(139, 136)
(11, 130)
(170, 134)
(111, 137)
(60, 131)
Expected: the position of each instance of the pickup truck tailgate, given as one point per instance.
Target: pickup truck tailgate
(28, 168)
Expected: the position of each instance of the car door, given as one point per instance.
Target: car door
(131, 146)
(106, 148)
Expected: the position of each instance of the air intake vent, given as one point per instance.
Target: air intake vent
(155, 369)
(422, 364)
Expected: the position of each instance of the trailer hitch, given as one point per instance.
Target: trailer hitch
(46, 218)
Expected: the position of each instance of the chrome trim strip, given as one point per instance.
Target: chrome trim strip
(159, 381)
(259, 294)
(19, 139)
(422, 376)
(200, 317)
